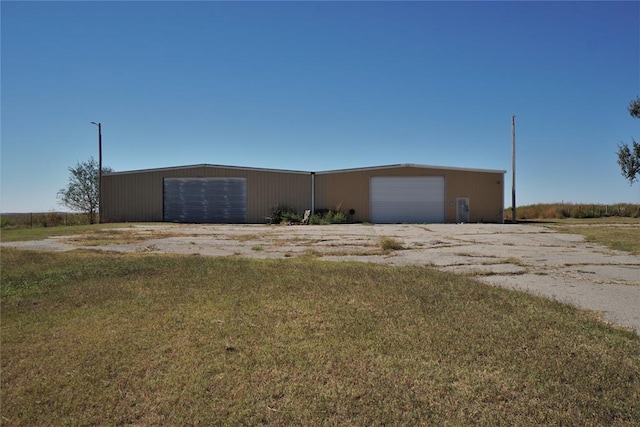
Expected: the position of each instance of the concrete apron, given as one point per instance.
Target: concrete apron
(531, 258)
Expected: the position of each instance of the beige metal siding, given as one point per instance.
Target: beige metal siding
(344, 191)
(132, 197)
(137, 196)
(485, 192)
(350, 190)
(266, 190)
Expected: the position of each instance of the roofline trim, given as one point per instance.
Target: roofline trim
(206, 165)
(412, 165)
(399, 165)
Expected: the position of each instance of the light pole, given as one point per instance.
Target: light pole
(513, 169)
(99, 170)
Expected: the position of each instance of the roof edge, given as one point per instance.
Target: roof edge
(412, 165)
(206, 165)
(366, 168)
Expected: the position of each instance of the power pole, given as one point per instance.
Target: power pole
(100, 173)
(513, 169)
(99, 170)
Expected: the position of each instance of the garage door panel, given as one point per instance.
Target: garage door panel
(205, 200)
(407, 199)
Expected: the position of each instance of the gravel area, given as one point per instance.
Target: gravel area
(531, 258)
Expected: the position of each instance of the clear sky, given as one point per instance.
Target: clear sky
(319, 86)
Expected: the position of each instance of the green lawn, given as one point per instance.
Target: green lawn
(93, 338)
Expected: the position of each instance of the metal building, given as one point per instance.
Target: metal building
(405, 193)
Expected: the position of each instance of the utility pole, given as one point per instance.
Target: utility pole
(99, 170)
(513, 169)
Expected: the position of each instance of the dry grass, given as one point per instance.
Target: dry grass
(39, 233)
(119, 237)
(102, 338)
(492, 259)
(575, 210)
(315, 253)
(485, 273)
(247, 237)
(510, 260)
(622, 236)
(390, 244)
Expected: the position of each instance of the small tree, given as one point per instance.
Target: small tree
(629, 161)
(81, 193)
(634, 108)
(629, 156)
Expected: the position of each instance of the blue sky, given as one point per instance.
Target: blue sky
(320, 86)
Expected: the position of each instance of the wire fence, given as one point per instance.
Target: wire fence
(42, 219)
(574, 210)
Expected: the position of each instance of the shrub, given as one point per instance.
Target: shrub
(390, 244)
(337, 217)
(283, 214)
(51, 219)
(326, 217)
(6, 223)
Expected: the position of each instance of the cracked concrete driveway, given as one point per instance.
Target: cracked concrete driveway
(527, 257)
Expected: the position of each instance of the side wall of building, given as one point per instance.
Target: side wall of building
(349, 190)
(138, 195)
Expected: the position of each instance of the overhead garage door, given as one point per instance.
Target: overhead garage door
(396, 199)
(205, 200)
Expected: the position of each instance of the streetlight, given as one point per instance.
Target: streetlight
(99, 170)
(513, 169)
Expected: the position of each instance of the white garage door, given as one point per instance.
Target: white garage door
(205, 200)
(411, 199)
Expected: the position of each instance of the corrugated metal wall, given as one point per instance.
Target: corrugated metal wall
(484, 190)
(138, 195)
(350, 190)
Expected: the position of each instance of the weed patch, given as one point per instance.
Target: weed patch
(390, 244)
(510, 260)
(105, 237)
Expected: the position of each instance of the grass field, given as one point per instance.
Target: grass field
(39, 233)
(92, 338)
(618, 233)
